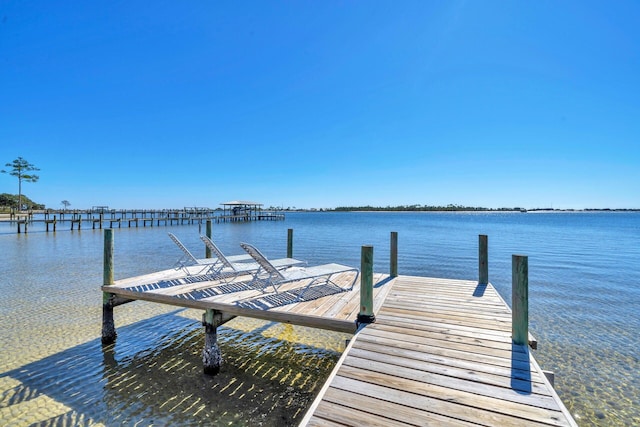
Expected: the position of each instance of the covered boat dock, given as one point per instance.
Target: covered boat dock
(243, 210)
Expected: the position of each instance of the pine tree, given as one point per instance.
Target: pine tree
(20, 169)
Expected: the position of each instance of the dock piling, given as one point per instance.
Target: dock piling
(290, 243)
(207, 251)
(483, 259)
(366, 286)
(108, 326)
(211, 355)
(520, 299)
(393, 255)
(50, 221)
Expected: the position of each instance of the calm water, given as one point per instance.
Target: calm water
(584, 279)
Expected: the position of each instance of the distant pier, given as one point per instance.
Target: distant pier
(102, 217)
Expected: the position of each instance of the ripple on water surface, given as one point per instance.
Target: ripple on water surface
(153, 375)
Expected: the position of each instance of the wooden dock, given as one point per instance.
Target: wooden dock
(439, 353)
(425, 351)
(99, 218)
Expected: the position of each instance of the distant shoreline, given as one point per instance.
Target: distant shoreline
(454, 208)
(5, 217)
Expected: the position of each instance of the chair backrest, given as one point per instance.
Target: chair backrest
(217, 252)
(183, 248)
(262, 261)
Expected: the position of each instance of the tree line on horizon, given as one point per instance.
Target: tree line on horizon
(421, 208)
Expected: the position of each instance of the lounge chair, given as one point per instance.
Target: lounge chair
(270, 276)
(187, 259)
(227, 270)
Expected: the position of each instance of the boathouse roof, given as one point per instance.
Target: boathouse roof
(241, 203)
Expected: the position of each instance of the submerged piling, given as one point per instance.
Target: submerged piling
(211, 355)
(108, 326)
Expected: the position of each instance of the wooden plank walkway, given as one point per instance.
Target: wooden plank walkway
(439, 353)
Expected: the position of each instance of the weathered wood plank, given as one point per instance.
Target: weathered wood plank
(432, 347)
(443, 331)
(411, 395)
(483, 326)
(446, 382)
(471, 367)
(462, 331)
(406, 415)
(493, 326)
(323, 422)
(346, 416)
(442, 340)
(464, 399)
(509, 379)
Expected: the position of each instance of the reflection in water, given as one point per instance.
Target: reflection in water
(153, 374)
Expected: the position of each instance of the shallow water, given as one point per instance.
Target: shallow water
(584, 300)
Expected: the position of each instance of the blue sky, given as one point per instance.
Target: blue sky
(321, 104)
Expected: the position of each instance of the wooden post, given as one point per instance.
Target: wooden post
(366, 286)
(290, 243)
(207, 251)
(211, 356)
(393, 255)
(483, 259)
(520, 299)
(108, 327)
